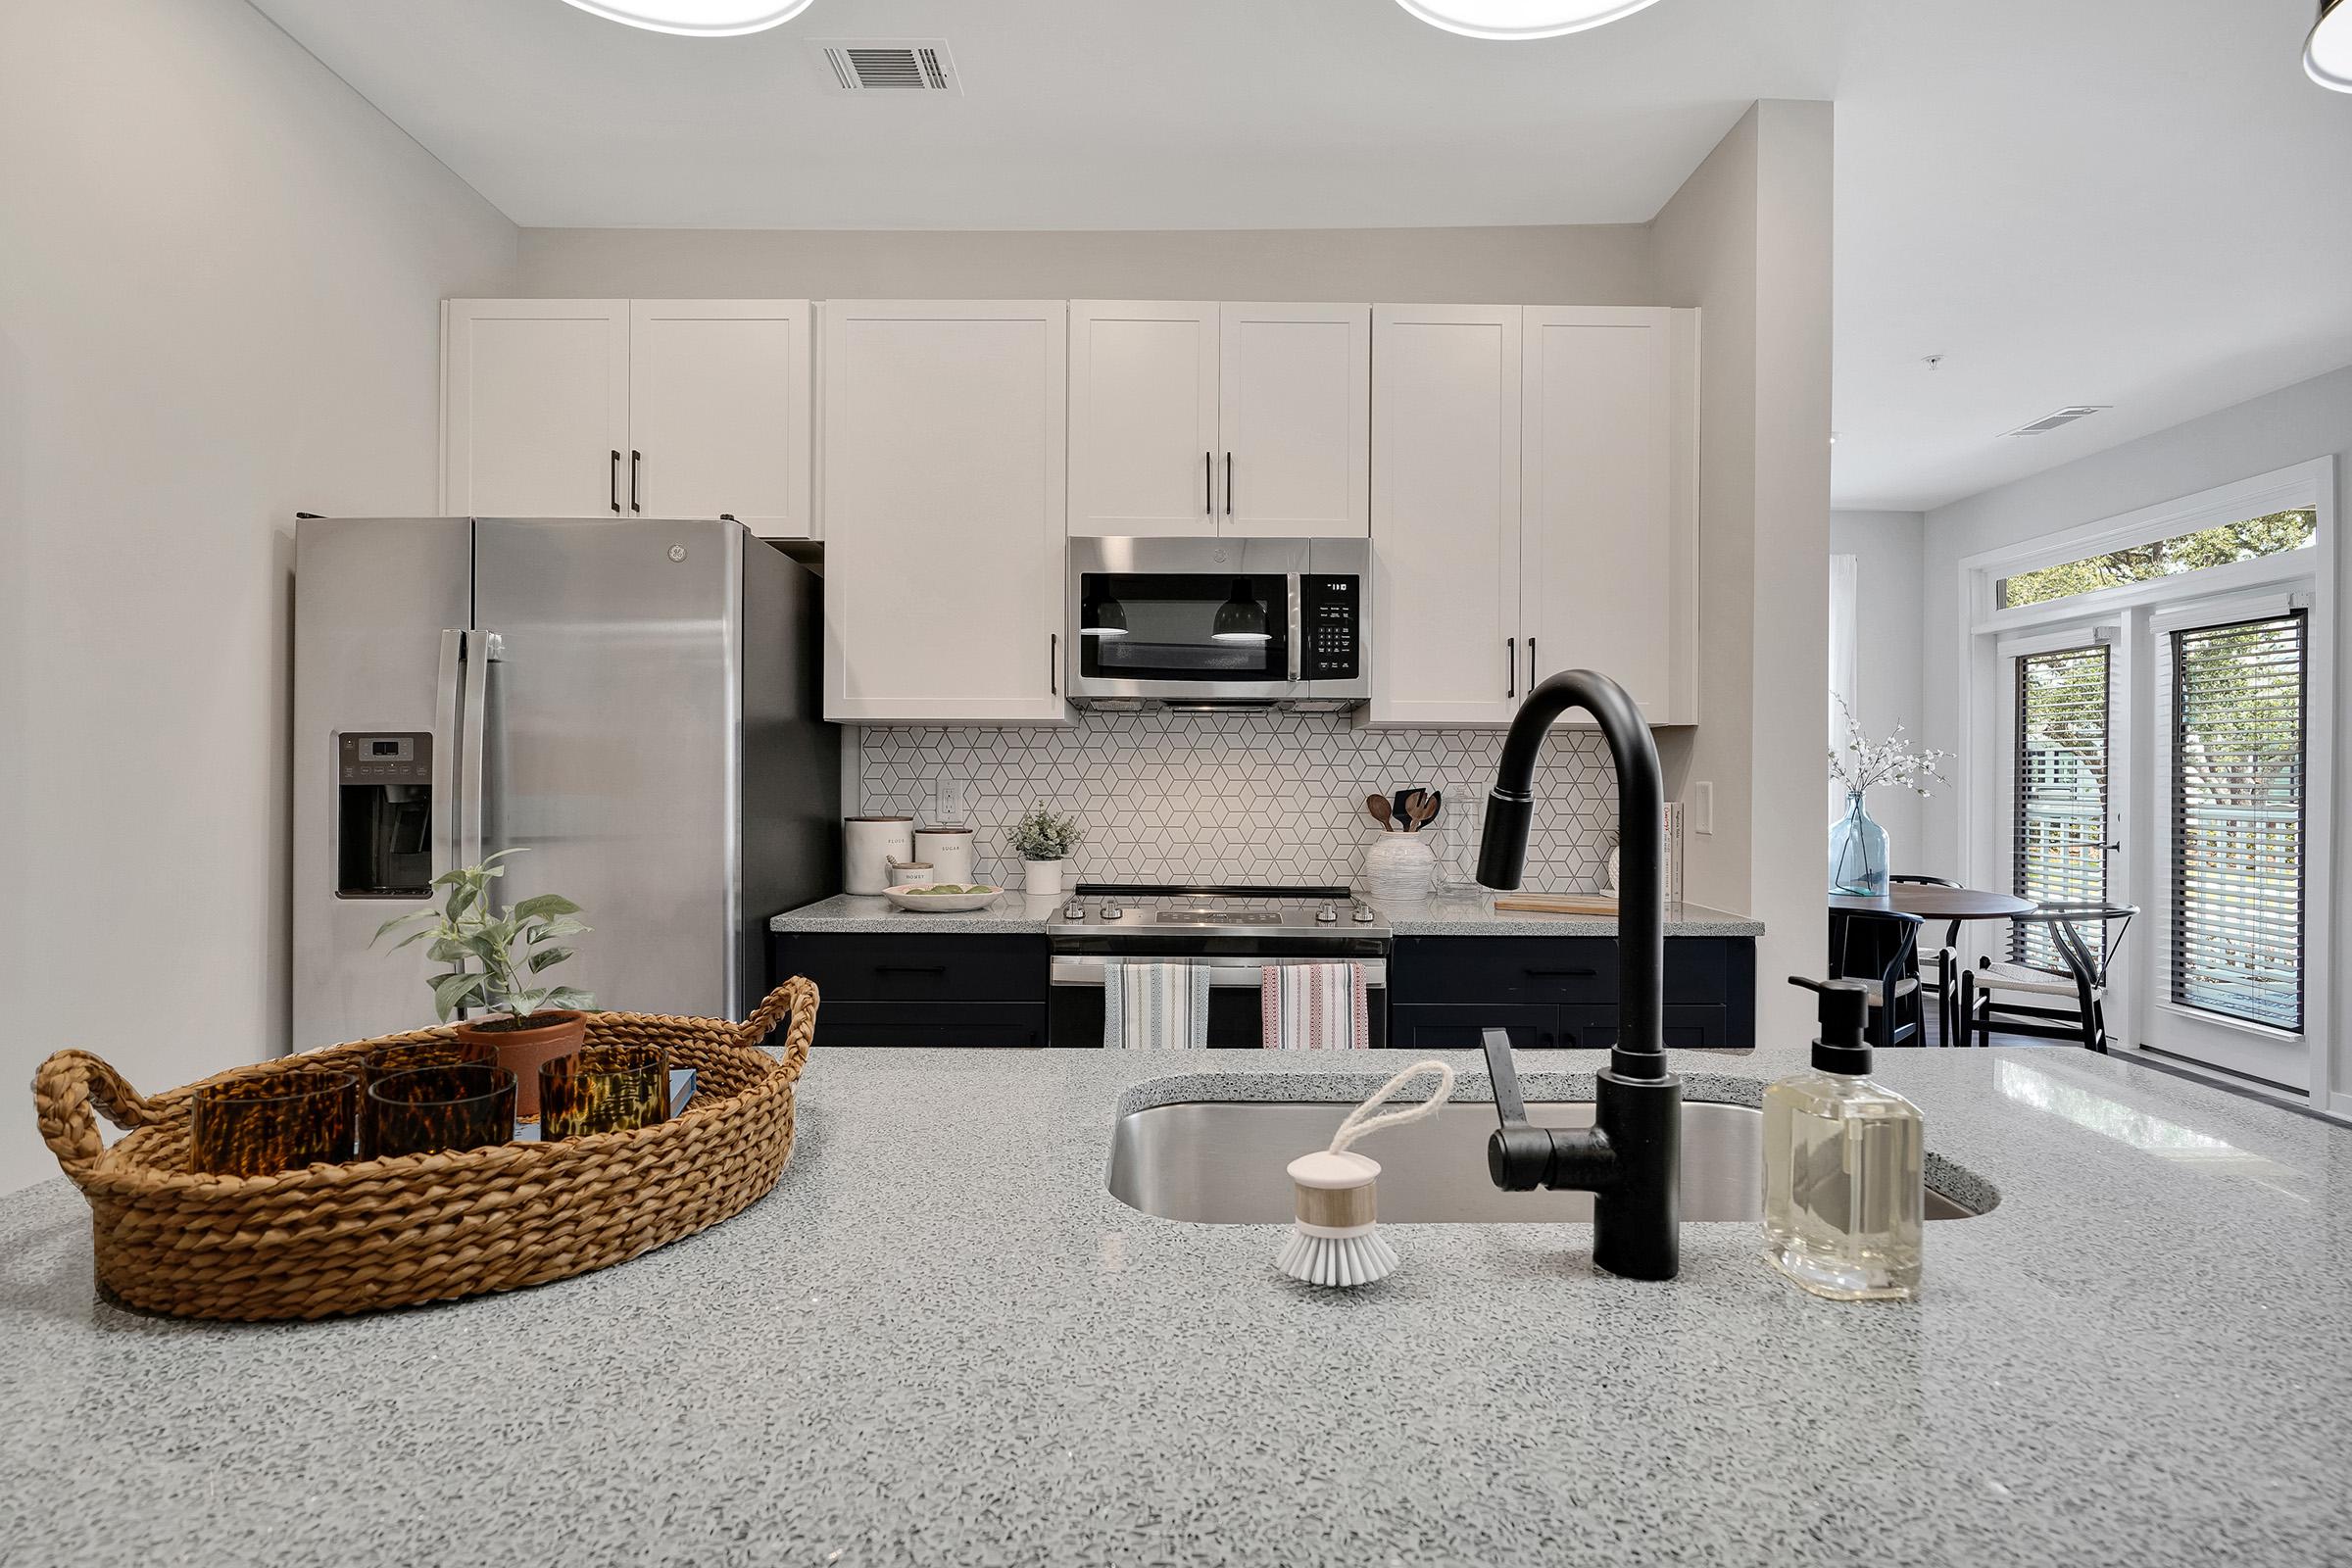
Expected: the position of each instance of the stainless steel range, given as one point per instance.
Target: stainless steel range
(1236, 930)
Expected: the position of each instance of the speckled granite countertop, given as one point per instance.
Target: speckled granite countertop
(941, 1342)
(1447, 915)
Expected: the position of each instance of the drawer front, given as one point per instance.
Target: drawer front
(1427, 1027)
(1504, 969)
(894, 968)
(1689, 1026)
(994, 1025)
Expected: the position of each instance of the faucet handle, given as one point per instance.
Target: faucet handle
(1519, 1158)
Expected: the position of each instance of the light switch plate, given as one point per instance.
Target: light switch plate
(1703, 809)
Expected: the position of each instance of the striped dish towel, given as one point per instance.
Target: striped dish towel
(1314, 1006)
(1154, 1006)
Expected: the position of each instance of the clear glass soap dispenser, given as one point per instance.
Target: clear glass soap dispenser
(1845, 1193)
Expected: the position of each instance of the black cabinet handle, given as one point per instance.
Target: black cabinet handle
(612, 480)
(1546, 974)
(910, 968)
(1510, 665)
(1531, 665)
(1229, 484)
(1209, 483)
(1053, 665)
(635, 458)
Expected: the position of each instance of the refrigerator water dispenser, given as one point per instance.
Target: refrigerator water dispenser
(385, 815)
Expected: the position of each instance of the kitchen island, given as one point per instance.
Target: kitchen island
(941, 1341)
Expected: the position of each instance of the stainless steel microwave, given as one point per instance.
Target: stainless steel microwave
(1220, 622)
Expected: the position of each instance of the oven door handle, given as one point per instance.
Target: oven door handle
(1224, 974)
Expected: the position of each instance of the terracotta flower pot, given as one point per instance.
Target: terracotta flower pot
(524, 1044)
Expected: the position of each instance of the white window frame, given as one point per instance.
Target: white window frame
(1992, 634)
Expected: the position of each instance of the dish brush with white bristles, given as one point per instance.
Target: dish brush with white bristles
(1336, 1241)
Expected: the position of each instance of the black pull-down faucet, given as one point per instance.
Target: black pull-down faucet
(1631, 1158)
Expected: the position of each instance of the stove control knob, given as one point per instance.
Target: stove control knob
(1111, 910)
(1328, 915)
(1073, 910)
(1364, 915)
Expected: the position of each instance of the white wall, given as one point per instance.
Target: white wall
(1747, 240)
(1887, 547)
(219, 271)
(1588, 265)
(2310, 419)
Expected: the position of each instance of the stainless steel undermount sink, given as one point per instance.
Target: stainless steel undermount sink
(1221, 1162)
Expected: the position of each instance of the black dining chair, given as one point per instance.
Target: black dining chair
(1881, 950)
(1944, 962)
(2023, 999)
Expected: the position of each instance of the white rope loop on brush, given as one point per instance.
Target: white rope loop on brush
(1357, 1124)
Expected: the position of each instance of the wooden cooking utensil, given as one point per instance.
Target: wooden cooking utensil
(1378, 806)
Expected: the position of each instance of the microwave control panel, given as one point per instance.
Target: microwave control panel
(1332, 611)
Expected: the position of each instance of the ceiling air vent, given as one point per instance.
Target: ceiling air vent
(2051, 421)
(887, 65)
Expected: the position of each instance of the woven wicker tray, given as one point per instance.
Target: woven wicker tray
(356, 1237)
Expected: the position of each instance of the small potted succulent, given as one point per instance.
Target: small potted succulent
(1044, 839)
(495, 961)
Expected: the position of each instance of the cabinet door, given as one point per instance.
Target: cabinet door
(1609, 533)
(944, 480)
(1445, 514)
(534, 408)
(1294, 409)
(1143, 416)
(718, 412)
(1463, 1026)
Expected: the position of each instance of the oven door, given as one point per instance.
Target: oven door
(1075, 1005)
(1185, 620)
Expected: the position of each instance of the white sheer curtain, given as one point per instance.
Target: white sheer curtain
(1845, 657)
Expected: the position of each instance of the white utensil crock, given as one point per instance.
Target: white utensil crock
(1398, 865)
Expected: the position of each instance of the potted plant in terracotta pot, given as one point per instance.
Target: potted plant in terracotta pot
(496, 959)
(1043, 839)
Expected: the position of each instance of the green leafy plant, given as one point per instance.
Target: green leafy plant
(495, 957)
(1044, 835)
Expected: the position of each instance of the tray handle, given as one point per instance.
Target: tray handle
(69, 1092)
(796, 996)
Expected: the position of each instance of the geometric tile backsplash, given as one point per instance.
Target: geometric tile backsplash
(1235, 796)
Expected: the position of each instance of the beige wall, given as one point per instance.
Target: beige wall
(220, 277)
(1556, 266)
(1747, 240)
(1887, 547)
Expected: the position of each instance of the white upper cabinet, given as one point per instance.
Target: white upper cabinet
(944, 479)
(720, 396)
(1609, 500)
(1143, 416)
(1446, 423)
(1293, 404)
(534, 408)
(1190, 417)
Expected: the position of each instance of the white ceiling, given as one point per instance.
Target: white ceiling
(2133, 202)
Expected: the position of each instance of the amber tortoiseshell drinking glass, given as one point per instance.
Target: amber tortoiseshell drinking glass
(604, 1089)
(384, 1061)
(280, 1121)
(463, 1106)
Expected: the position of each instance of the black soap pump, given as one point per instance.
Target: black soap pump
(1845, 1193)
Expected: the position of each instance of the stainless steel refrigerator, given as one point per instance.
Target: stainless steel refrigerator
(635, 703)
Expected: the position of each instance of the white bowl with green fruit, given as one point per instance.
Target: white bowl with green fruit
(944, 898)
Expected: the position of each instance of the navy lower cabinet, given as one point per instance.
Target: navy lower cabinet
(1560, 993)
(924, 991)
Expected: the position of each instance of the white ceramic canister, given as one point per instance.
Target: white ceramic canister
(1398, 865)
(868, 845)
(950, 852)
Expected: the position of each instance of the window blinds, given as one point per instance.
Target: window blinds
(2061, 788)
(2238, 810)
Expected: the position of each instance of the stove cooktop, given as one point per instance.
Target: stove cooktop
(1159, 915)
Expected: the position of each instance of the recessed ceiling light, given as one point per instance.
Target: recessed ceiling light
(697, 19)
(1520, 18)
(2328, 53)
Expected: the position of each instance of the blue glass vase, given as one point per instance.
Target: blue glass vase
(1857, 852)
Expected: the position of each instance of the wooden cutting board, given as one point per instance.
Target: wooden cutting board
(1557, 903)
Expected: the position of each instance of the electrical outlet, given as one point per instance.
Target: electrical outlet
(1703, 809)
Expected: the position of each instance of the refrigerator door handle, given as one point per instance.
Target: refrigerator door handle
(446, 826)
(481, 647)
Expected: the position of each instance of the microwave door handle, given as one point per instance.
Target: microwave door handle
(445, 754)
(1298, 626)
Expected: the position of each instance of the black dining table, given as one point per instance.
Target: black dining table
(1934, 903)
